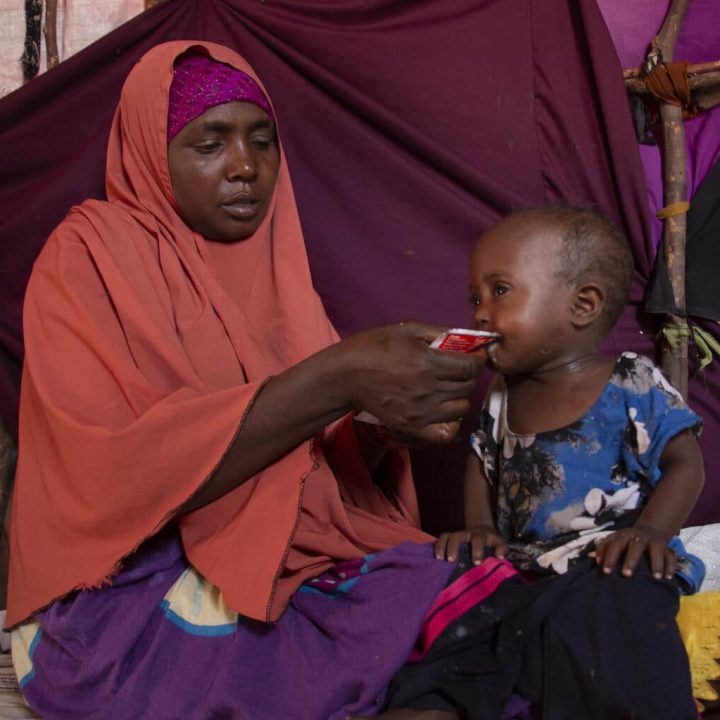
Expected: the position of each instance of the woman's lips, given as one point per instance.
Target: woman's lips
(241, 208)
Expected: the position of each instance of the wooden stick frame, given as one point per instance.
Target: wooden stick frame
(704, 82)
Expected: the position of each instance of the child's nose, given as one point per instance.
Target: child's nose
(481, 314)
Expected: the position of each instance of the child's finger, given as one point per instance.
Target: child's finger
(501, 549)
(656, 551)
(670, 563)
(441, 546)
(633, 552)
(477, 547)
(600, 551)
(613, 547)
(453, 544)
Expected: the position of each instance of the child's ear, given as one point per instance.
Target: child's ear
(587, 305)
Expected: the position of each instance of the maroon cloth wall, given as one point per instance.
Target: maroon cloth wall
(409, 126)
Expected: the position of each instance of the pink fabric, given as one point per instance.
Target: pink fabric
(468, 590)
(200, 83)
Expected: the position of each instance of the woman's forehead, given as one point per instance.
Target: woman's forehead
(229, 117)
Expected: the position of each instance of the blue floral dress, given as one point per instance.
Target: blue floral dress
(561, 491)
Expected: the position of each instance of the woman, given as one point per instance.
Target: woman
(200, 528)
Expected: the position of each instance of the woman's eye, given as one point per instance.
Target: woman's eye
(263, 142)
(207, 147)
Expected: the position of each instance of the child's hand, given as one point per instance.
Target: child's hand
(633, 542)
(479, 537)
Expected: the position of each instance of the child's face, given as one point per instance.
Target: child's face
(515, 291)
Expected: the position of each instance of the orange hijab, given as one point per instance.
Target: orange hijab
(145, 346)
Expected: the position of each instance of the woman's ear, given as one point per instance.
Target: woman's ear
(587, 304)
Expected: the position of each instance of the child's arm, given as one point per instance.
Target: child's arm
(479, 519)
(669, 505)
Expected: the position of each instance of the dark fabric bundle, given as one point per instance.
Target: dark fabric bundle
(702, 257)
(551, 641)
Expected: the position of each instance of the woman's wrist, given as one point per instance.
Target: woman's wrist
(336, 369)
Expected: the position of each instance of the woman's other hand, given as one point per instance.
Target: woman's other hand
(415, 390)
(480, 538)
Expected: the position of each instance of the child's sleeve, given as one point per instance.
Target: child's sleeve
(656, 413)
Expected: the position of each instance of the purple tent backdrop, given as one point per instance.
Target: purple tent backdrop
(409, 125)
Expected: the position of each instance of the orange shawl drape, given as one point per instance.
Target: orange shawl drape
(145, 346)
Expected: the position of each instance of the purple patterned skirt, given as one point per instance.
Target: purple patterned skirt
(160, 643)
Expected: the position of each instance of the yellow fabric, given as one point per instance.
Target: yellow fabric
(197, 606)
(699, 623)
(24, 639)
(678, 208)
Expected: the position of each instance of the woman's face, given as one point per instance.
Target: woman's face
(223, 168)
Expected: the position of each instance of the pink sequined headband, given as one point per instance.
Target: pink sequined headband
(200, 83)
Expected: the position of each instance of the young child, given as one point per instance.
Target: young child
(575, 452)
(576, 456)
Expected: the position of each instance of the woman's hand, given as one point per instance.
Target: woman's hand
(390, 372)
(411, 388)
(633, 542)
(480, 537)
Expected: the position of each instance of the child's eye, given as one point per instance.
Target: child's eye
(474, 300)
(500, 289)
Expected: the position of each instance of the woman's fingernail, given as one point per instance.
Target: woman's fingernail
(627, 572)
(607, 570)
(451, 558)
(657, 576)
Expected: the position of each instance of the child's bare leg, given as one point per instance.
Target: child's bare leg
(408, 714)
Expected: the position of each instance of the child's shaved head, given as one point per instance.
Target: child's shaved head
(591, 247)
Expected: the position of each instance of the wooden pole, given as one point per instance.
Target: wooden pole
(704, 84)
(50, 31)
(674, 346)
